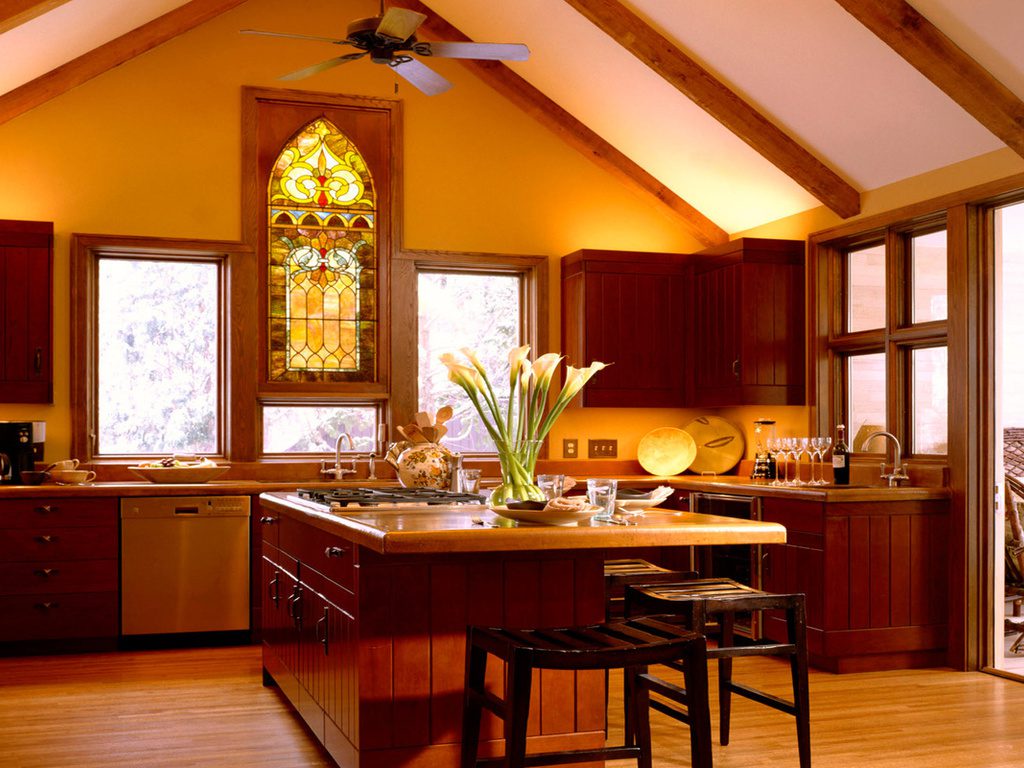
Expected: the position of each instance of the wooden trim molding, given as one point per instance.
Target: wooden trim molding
(715, 98)
(534, 103)
(14, 13)
(83, 331)
(109, 55)
(925, 47)
(405, 267)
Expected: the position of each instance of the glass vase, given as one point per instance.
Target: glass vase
(518, 481)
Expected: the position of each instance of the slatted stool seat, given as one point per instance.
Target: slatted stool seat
(629, 645)
(697, 600)
(618, 574)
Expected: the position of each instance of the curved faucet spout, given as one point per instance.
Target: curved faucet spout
(899, 472)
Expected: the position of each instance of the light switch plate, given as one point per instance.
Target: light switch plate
(602, 449)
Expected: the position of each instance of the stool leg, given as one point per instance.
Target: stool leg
(727, 638)
(639, 731)
(695, 681)
(472, 707)
(517, 708)
(797, 630)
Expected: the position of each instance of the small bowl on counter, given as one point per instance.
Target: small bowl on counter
(31, 477)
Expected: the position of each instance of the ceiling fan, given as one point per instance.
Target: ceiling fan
(390, 38)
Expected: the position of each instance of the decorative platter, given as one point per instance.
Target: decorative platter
(720, 445)
(666, 451)
(545, 517)
(178, 475)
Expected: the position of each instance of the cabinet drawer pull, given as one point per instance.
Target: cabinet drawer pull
(48, 606)
(37, 360)
(274, 588)
(334, 552)
(736, 367)
(267, 520)
(47, 509)
(47, 538)
(321, 636)
(46, 573)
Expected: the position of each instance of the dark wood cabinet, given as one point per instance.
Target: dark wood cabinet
(26, 324)
(58, 575)
(876, 579)
(629, 309)
(748, 343)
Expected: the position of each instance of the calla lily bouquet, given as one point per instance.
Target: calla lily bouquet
(519, 429)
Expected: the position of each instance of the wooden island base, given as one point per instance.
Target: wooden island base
(364, 621)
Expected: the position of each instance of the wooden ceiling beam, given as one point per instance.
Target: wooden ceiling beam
(109, 55)
(715, 98)
(13, 13)
(532, 101)
(925, 47)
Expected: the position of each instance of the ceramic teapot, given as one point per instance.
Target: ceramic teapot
(422, 465)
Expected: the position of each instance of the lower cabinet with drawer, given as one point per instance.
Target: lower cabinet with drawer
(309, 630)
(58, 575)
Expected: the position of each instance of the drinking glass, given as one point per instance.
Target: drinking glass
(601, 493)
(553, 486)
(800, 447)
(469, 480)
(774, 445)
(821, 445)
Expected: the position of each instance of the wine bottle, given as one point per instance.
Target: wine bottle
(840, 458)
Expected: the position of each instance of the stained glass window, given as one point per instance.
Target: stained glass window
(322, 281)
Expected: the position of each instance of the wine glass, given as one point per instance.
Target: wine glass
(821, 444)
(774, 446)
(796, 448)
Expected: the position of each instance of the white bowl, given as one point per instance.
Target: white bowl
(201, 474)
(633, 506)
(545, 517)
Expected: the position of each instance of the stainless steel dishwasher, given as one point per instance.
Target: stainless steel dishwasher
(184, 564)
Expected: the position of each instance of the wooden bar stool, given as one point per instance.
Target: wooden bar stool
(618, 574)
(699, 599)
(629, 645)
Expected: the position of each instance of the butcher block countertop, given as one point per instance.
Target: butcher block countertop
(455, 529)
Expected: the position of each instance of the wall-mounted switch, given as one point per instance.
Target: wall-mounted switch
(602, 449)
(570, 448)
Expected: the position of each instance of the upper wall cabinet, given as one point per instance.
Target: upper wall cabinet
(628, 309)
(26, 326)
(748, 322)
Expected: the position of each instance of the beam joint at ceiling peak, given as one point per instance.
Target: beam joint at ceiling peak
(696, 83)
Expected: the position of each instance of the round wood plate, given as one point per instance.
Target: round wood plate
(720, 445)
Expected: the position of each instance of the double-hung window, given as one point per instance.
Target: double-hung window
(882, 310)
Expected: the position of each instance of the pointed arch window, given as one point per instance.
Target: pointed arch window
(323, 262)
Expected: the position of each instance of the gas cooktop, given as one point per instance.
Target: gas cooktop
(393, 495)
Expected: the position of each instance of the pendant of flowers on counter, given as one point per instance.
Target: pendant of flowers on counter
(519, 429)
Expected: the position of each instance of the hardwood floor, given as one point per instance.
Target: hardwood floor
(208, 709)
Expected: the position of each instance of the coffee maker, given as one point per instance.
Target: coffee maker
(16, 451)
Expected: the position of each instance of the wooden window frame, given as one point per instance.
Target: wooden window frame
(405, 271)
(86, 251)
(834, 345)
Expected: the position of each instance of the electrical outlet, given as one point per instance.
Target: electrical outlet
(602, 449)
(570, 448)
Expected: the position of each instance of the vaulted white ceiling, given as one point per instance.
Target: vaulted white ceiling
(806, 65)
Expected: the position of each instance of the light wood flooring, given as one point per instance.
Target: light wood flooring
(208, 709)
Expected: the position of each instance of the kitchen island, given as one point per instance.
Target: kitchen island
(365, 613)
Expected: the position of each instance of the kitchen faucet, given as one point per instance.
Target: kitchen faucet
(337, 470)
(899, 471)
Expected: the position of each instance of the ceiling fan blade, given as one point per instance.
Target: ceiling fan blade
(492, 51)
(287, 34)
(420, 75)
(322, 66)
(400, 23)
